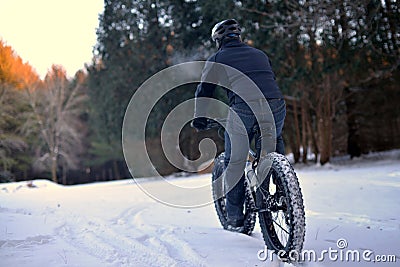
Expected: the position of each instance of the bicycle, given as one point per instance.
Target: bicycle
(277, 199)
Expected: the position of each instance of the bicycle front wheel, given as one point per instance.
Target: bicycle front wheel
(281, 209)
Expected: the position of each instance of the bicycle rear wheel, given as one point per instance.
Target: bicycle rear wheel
(220, 199)
(281, 209)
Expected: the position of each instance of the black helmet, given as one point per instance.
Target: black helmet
(229, 27)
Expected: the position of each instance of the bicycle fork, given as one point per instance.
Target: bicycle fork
(268, 202)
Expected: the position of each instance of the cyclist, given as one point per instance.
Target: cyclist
(256, 65)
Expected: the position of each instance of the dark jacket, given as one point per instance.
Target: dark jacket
(248, 60)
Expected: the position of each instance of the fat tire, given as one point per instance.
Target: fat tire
(219, 202)
(287, 178)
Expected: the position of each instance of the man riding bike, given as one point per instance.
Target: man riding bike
(256, 65)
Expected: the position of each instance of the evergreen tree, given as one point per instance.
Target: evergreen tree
(14, 77)
(131, 47)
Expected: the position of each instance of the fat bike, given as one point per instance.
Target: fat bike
(273, 192)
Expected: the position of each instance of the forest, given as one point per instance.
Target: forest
(336, 61)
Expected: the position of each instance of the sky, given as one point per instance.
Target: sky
(47, 32)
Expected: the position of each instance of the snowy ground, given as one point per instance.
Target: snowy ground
(116, 224)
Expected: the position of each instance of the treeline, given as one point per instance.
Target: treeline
(337, 63)
(42, 126)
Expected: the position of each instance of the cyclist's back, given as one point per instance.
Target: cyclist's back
(250, 61)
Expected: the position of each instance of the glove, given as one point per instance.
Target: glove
(200, 124)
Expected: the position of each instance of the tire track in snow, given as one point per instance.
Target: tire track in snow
(128, 240)
(163, 238)
(98, 238)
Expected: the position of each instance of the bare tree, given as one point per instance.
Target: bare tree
(56, 107)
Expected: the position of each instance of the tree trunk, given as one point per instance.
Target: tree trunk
(314, 142)
(64, 176)
(324, 140)
(304, 119)
(297, 131)
(291, 133)
(324, 116)
(293, 147)
(54, 168)
(116, 170)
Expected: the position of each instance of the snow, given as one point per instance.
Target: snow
(116, 224)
